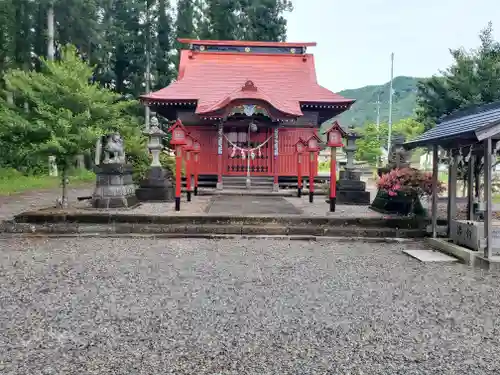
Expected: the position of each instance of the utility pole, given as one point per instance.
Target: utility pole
(378, 125)
(389, 135)
(148, 65)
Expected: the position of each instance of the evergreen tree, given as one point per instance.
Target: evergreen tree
(472, 79)
(164, 72)
(263, 20)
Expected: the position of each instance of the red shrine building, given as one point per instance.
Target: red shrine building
(248, 104)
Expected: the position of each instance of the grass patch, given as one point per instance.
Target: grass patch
(13, 182)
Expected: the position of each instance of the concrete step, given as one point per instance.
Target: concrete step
(243, 187)
(244, 183)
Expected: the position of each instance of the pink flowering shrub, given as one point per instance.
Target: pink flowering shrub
(407, 181)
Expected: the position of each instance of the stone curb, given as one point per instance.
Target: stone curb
(213, 237)
(84, 217)
(209, 230)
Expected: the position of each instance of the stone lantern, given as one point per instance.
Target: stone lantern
(350, 189)
(155, 145)
(157, 186)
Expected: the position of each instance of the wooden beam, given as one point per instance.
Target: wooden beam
(487, 197)
(488, 131)
(435, 173)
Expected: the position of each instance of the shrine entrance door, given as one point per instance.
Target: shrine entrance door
(237, 159)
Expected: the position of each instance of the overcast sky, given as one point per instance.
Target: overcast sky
(356, 37)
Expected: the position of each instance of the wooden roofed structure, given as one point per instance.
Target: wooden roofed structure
(467, 136)
(248, 102)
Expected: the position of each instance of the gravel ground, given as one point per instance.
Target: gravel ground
(144, 306)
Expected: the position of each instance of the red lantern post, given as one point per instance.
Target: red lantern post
(300, 148)
(334, 137)
(178, 140)
(188, 147)
(196, 160)
(312, 148)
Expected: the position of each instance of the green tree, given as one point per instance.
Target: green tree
(264, 19)
(373, 140)
(471, 80)
(69, 112)
(165, 73)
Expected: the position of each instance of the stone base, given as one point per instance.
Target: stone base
(276, 187)
(219, 186)
(157, 187)
(353, 197)
(114, 187)
(148, 194)
(351, 185)
(349, 175)
(115, 202)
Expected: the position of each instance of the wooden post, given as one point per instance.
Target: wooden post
(470, 187)
(333, 179)
(487, 197)
(178, 178)
(219, 156)
(434, 189)
(452, 191)
(276, 161)
(311, 177)
(299, 174)
(195, 167)
(188, 174)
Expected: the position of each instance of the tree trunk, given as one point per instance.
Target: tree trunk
(64, 199)
(50, 32)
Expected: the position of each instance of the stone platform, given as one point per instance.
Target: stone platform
(217, 215)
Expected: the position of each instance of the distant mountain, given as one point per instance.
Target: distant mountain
(364, 111)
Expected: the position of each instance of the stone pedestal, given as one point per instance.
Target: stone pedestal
(114, 186)
(352, 191)
(157, 187)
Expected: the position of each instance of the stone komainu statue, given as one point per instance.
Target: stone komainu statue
(113, 149)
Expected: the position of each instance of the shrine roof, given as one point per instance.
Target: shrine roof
(465, 126)
(214, 78)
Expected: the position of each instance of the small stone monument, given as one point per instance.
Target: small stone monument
(350, 189)
(53, 171)
(114, 184)
(158, 186)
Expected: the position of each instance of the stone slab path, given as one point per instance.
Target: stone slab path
(251, 205)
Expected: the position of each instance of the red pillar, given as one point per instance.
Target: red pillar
(178, 177)
(311, 176)
(195, 167)
(333, 179)
(188, 175)
(299, 174)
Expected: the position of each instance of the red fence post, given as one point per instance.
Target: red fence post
(312, 147)
(178, 177)
(300, 147)
(178, 140)
(334, 137)
(196, 160)
(188, 148)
